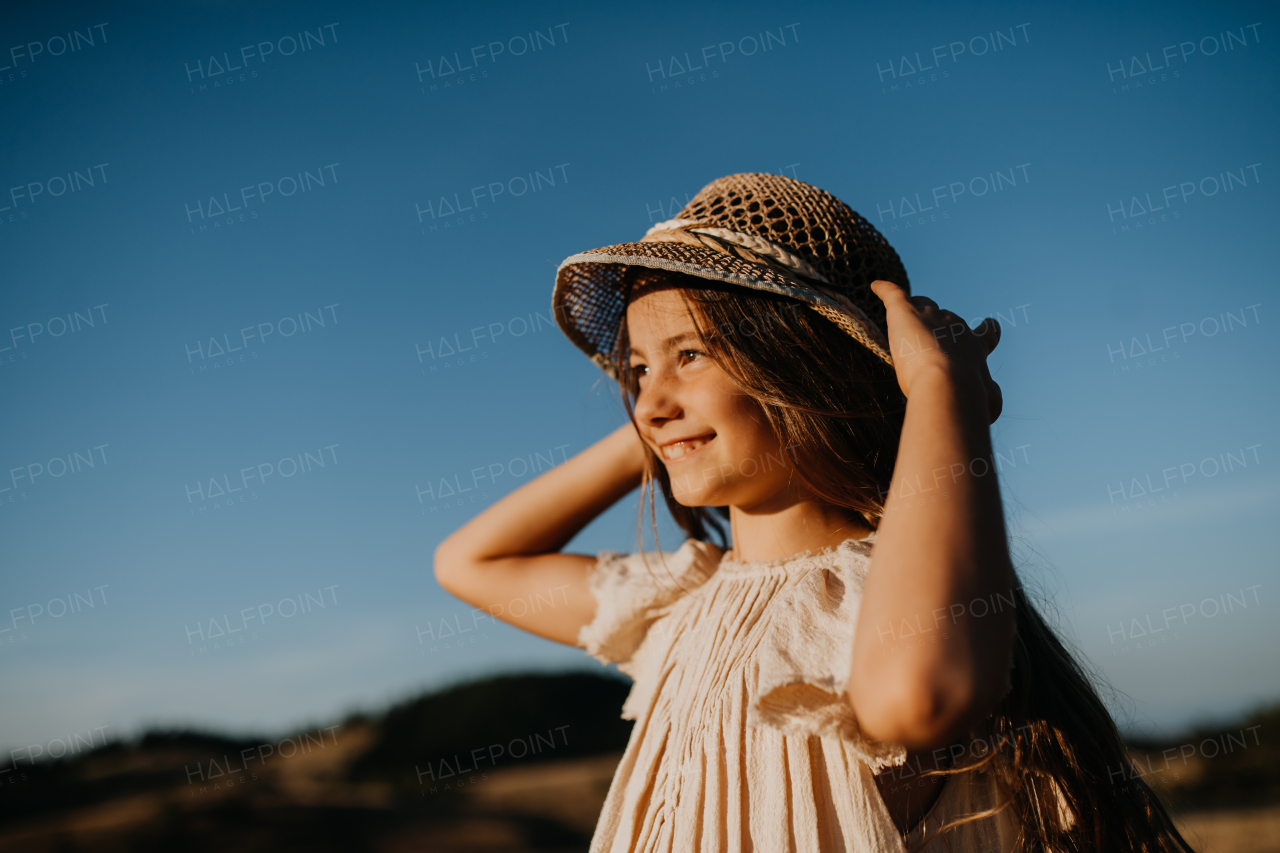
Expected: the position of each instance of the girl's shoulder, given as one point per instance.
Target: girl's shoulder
(632, 591)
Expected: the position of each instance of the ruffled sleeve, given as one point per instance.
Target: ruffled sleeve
(633, 591)
(806, 654)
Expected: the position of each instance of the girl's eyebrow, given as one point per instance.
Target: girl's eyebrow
(669, 343)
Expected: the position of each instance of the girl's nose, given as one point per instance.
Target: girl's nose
(659, 400)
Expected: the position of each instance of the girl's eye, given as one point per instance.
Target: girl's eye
(686, 356)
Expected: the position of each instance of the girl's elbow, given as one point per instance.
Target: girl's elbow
(445, 565)
(920, 713)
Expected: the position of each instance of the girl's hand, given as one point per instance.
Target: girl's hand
(924, 339)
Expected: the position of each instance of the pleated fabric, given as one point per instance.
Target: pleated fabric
(744, 739)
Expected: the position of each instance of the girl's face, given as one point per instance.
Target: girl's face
(714, 440)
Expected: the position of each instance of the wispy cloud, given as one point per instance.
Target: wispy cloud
(1103, 519)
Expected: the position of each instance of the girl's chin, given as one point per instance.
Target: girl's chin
(696, 499)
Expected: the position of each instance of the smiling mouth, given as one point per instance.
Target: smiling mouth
(680, 449)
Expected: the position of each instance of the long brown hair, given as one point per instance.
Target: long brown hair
(1051, 741)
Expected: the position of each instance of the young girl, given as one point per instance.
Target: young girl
(862, 670)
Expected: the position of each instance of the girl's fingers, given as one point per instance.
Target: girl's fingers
(887, 291)
(923, 302)
(989, 331)
(995, 400)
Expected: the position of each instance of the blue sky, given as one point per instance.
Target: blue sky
(245, 213)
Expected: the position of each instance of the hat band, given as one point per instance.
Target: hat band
(758, 245)
(685, 231)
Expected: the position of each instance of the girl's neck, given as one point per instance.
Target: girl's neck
(800, 525)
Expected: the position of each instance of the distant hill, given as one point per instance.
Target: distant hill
(1215, 767)
(389, 781)
(515, 718)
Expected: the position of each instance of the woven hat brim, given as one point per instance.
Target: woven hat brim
(588, 304)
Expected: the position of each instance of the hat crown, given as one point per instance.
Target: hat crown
(809, 222)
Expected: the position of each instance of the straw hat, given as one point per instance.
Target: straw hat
(761, 231)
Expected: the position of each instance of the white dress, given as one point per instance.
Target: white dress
(744, 739)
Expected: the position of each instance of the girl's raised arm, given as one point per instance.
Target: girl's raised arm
(932, 647)
(512, 550)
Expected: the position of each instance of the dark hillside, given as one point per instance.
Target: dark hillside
(561, 717)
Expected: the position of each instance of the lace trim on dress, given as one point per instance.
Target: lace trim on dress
(806, 558)
(630, 595)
